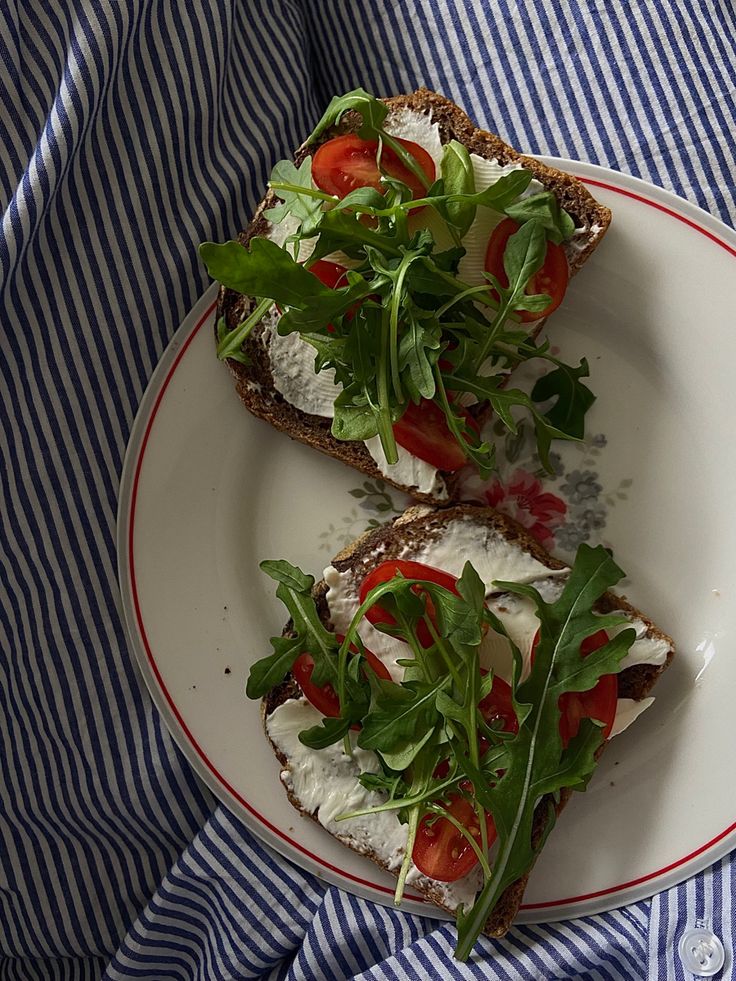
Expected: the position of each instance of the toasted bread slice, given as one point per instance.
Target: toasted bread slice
(254, 382)
(406, 537)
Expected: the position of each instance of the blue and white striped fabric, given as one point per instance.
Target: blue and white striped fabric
(131, 130)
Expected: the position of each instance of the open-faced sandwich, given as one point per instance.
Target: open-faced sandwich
(393, 276)
(436, 698)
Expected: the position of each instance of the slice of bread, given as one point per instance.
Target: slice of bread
(412, 532)
(254, 382)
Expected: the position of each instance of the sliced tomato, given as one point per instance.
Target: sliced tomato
(378, 614)
(423, 431)
(497, 706)
(551, 279)
(324, 697)
(330, 273)
(440, 850)
(348, 162)
(598, 703)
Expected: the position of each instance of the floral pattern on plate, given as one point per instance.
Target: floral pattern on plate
(560, 509)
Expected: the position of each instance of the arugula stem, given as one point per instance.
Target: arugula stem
(497, 323)
(452, 419)
(309, 192)
(394, 324)
(470, 291)
(234, 339)
(385, 426)
(442, 648)
(411, 835)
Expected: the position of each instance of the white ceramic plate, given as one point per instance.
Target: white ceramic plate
(208, 491)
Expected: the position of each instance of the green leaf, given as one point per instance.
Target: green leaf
(544, 208)
(320, 737)
(400, 713)
(316, 312)
(458, 178)
(364, 197)
(264, 270)
(373, 112)
(418, 353)
(534, 762)
(449, 708)
(343, 231)
(271, 671)
(507, 189)
(353, 421)
(305, 209)
(290, 575)
(572, 397)
(524, 256)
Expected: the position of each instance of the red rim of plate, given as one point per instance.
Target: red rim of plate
(189, 735)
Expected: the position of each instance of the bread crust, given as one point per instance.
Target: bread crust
(421, 525)
(254, 382)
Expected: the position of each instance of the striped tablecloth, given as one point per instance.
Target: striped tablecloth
(131, 130)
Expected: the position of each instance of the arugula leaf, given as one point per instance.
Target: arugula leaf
(305, 209)
(264, 270)
(373, 112)
(322, 736)
(353, 421)
(295, 592)
(572, 397)
(364, 197)
(270, 671)
(343, 231)
(459, 618)
(401, 722)
(545, 208)
(419, 350)
(458, 179)
(290, 575)
(316, 312)
(534, 763)
(524, 256)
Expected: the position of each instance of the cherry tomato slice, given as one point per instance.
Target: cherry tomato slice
(324, 697)
(598, 703)
(497, 707)
(423, 431)
(330, 273)
(440, 850)
(348, 162)
(551, 279)
(377, 614)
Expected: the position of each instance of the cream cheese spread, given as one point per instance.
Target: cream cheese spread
(325, 783)
(493, 558)
(409, 470)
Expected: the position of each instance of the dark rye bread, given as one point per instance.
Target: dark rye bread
(254, 382)
(419, 526)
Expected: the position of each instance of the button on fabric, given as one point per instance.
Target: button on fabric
(701, 952)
